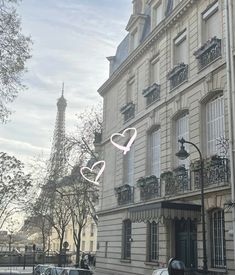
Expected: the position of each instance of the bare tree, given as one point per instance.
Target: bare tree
(14, 52)
(14, 186)
(83, 195)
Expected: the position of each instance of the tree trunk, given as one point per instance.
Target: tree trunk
(78, 247)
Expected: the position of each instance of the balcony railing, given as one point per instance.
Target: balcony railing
(208, 53)
(152, 93)
(177, 181)
(216, 172)
(149, 187)
(128, 111)
(178, 75)
(125, 194)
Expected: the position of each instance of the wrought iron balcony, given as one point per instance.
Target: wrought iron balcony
(178, 75)
(176, 181)
(149, 187)
(128, 111)
(216, 172)
(208, 53)
(125, 194)
(152, 93)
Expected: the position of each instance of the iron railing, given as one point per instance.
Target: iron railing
(209, 52)
(125, 194)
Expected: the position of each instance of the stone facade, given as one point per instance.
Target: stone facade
(148, 97)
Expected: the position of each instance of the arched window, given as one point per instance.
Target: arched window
(126, 240)
(128, 167)
(155, 153)
(217, 238)
(182, 131)
(214, 124)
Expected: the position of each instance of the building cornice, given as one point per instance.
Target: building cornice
(142, 48)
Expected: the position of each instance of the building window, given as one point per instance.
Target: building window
(181, 49)
(83, 231)
(128, 167)
(153, 242)
(134, 40)
(130, 91)
(106, 250)
(211, 24)
(126, 240)
(155, 72)
(91, 246)
(155, 151)
(157, 13)
(83, 245)
(217, 238)
(92, 229)
(214, 124)
(182, 131)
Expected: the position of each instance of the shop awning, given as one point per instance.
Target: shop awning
(167, 210)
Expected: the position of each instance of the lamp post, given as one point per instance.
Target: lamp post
(183, 154)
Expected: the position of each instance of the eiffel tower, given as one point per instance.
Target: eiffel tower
(55, 171)
(57, 162)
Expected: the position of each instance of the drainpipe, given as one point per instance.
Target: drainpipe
(231, 96)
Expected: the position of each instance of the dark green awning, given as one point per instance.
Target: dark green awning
(167, 210)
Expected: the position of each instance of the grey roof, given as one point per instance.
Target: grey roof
(123, 48)
(121, 53)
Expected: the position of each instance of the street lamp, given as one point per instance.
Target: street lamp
(183, 154)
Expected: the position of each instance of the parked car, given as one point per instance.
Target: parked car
(76, 271)
(53, 270)
(40, 269)
(161, 271)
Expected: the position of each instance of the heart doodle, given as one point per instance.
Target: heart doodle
(91, 170)
(131, 140)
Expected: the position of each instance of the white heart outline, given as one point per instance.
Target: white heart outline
(128, 146)
(91, 169)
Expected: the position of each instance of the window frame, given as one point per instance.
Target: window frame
(155, 6)
(126, 239)
(217, 240)
(152, 246)
(150, 156)
(177, 41)
(210, 11)
(179, 120)
(129, 162)
(209, 124)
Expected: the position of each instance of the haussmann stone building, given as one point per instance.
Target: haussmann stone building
(172, 77)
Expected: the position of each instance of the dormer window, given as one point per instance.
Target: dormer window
(134, 39)
(157, 14)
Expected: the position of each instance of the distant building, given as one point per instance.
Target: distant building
(172, 77)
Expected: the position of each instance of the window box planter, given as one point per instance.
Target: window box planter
(128, 111)
(178, 75)
(152, 93)
(208, 52)
(149, 187)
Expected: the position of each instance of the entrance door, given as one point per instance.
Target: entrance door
(186, 242)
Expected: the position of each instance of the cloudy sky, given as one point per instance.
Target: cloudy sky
(72, 39)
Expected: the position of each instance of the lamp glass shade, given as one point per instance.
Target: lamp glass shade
(182, 154)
